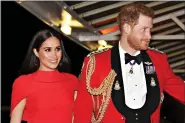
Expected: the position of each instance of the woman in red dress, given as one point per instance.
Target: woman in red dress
(44, 93)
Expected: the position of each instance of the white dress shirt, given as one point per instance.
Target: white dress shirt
(134, 84)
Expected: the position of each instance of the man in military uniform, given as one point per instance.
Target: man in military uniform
(125, 84)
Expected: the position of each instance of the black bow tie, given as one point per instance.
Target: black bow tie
(128, 58)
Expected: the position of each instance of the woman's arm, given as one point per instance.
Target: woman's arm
(16, 115)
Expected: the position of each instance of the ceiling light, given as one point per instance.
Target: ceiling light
(66, 29)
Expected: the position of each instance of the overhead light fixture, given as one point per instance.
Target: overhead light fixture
(75, 23)
(66, 29)
(67, 23)
(66, 18)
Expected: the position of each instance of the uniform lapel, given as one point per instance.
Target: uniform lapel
(118, 96)
(153, 90)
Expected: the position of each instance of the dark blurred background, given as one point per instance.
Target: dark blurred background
(18, 28)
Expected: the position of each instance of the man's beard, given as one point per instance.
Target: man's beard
(136, 43)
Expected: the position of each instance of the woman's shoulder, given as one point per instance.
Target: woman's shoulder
(70, 76)
(73, 80)
(22, 80)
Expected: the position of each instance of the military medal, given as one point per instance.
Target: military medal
(117, 86)
(152, 82)
(131, 69)
(150, 69)
(148, 63)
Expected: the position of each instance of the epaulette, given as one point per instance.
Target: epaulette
(97, 52)
(154, 49)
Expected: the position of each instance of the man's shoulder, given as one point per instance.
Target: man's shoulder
(99, 52)
(154, 50)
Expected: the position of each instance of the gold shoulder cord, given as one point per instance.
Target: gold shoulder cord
(103, 90)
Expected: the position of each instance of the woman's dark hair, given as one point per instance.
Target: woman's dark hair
(31, 62)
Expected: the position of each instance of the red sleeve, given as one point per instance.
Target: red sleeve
(76, 83)
(83, 104)
(19, 91)
(174, 85)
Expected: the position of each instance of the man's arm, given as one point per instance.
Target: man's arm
(83, 105)
(174, 85)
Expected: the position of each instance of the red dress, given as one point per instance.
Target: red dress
(49, 94)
